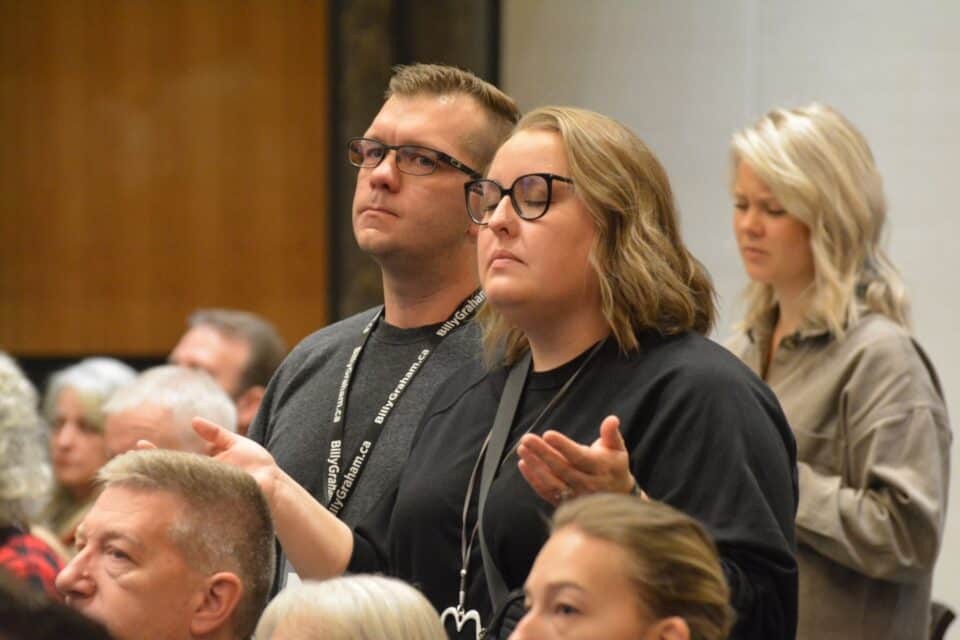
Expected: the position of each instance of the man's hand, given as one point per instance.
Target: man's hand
(558, 468)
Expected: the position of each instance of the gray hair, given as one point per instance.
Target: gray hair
(187, 393)
(94, 380)
(357, 607)
(225, 523)
(25, 475)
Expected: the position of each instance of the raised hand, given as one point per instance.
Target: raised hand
(559, 468)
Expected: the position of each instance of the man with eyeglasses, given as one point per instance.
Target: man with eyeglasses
(340, 413)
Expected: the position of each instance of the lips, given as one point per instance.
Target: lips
(375, 208)
(502, 256)
(752, 251)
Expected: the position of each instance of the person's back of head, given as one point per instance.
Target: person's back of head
(25, 475)
(358, 607)
(25, 615)
(160, 406)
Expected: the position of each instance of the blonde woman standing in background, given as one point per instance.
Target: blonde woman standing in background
(826, 327)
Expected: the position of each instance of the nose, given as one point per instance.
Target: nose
(749, 221)
(526, 628)
(503, 216)
(64, 437)
(386, 175)
(74, 581)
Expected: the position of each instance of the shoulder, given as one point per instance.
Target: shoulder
(879, 353)
(692, 361)
(466, 384)
(333, 337)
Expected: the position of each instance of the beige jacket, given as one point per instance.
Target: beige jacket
(873, 451)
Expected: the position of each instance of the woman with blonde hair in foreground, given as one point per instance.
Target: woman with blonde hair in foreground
(620, 568)
(358, 607)
(826, 327)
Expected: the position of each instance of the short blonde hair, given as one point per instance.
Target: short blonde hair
(648, 278)
(225, 524)
(482, 139)
(821, 170)
(673, 562)
(357, 607)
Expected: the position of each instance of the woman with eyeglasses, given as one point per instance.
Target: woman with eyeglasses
(596, 309)
(826, 327)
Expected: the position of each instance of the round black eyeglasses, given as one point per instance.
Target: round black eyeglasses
(412, 159)
(530, 196)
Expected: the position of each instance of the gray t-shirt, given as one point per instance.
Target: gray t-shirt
(296, 416)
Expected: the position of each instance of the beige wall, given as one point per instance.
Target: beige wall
(684, 74)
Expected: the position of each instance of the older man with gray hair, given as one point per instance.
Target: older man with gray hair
(177, 546)
(159, 405)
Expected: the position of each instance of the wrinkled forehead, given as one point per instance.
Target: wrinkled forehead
(449, 122)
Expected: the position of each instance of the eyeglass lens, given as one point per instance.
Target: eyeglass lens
(410, 158)
(530, 196)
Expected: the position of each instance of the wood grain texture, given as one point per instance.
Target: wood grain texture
(157, 157)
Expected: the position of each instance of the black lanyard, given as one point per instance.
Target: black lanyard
(341, 481)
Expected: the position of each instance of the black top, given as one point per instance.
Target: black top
(705, 435)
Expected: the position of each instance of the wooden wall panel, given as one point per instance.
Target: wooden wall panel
(156, 157)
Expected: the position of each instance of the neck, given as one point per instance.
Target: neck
(792, 307)
(562, 341)
(424, 296)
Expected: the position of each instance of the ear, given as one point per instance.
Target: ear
(214, 611)
(247, 405)
(673, 628)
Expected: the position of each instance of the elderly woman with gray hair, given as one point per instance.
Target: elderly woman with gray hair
(24, 481)
(73, 408)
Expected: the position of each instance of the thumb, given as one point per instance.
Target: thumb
(610, 436)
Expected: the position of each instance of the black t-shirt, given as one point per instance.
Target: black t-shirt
(705, 435)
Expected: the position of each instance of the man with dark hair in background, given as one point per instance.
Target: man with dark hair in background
(239, 349)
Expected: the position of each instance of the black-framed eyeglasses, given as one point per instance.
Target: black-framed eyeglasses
(412, 159)
(530, 196)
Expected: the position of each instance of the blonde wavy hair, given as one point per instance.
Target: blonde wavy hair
(648, 279)
(673, 562)
(821, 170)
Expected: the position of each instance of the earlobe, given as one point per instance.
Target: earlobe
(222, 593)
(673, 628)
(247, 405)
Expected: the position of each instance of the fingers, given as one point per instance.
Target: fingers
(218, 439)
(547, 486)
(145, 444)
(610, 436)
(568, 452)
(566, 463)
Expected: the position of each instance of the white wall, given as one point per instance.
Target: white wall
(685, 73)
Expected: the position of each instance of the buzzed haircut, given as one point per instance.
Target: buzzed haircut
(267, 348)
(225, 524)
(438, 80)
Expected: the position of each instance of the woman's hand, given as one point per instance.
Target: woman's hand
(559, 468)
(236, 450)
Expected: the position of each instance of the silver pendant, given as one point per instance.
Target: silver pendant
(461, 618)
